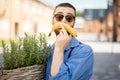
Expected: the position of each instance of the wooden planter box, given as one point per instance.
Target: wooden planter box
(35, 72)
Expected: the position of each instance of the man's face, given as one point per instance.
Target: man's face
(65, 15)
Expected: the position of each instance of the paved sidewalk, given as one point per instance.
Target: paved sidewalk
(106, 67)
(104, 47)
(99, 45)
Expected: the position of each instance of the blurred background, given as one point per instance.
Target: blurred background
(98, 18)
(97, 24)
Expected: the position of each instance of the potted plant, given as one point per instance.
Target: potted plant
(25, 58)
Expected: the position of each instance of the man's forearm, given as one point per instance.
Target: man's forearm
(58, 58)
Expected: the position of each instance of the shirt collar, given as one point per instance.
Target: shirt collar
(73, 43)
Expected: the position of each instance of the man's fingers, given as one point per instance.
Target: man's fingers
(63, 27)
(63, 30)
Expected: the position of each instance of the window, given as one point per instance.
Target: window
(16, 29)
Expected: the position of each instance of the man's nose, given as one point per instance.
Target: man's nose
(64, 20)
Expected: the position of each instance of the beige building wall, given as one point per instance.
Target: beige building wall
(22, 16)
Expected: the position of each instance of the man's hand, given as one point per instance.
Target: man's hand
(62, 40)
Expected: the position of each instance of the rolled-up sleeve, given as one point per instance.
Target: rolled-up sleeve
(78, 67)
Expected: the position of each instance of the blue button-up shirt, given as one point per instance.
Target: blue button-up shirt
(78, 67)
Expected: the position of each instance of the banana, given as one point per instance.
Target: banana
(67, 28)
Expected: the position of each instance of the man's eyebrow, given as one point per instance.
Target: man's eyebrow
(70, 14)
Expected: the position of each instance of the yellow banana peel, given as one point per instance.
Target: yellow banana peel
(67, 28)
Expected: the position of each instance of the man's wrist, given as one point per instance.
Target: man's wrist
(58, 50)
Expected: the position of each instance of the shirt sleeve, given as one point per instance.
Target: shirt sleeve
(78, 67)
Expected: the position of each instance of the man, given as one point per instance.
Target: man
(69, 59)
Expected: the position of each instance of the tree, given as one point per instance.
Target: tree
(79, 13)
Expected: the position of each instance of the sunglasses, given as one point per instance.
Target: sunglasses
(59, 17)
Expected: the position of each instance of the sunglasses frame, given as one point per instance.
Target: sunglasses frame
(62, 16)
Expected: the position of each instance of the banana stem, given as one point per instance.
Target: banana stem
(49, 34)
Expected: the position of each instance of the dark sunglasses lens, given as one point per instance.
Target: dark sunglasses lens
(59, 17)
(69, 18)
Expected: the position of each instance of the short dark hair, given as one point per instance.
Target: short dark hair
(66, 5)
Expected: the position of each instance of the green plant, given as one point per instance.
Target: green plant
(79, 13)
(7, 41)
(26, 51)
(0, 43)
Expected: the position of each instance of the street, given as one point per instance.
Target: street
(106, 67)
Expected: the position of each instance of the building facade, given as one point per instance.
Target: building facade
(116, 30)
(20, 16)
(104, 21)
(33, 16)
